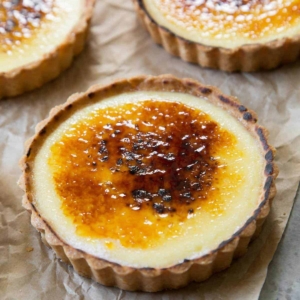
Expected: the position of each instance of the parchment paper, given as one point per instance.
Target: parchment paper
(119, 47)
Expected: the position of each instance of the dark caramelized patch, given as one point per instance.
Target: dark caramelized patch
(247, 116)
(20, 19)
(205, 90)
(136, 171)
(269, 155)
(242, 108)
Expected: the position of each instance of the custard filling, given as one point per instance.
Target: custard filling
(227, 23)
(148, 179)
(135, 172)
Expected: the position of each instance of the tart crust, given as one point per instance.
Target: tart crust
(246, 58)
(50, 65)
(152, 279)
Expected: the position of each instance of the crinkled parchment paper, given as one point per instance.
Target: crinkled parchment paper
(119, 47)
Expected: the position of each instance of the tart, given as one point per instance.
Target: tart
(227, 35)
(38, 40)
(150, 182)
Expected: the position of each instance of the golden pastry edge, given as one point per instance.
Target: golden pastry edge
(154, 279)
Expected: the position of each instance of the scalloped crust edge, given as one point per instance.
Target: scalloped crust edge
(151, 279)
(246, 58)
(32, 76)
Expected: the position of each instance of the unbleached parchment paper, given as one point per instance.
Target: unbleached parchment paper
(119, 47)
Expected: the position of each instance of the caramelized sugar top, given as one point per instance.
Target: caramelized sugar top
(20, 19)
(136, 172)
(221, 19)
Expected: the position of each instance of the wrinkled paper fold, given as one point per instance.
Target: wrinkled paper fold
(119, 47)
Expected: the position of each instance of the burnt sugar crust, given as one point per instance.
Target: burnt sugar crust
(245, 58)
(152, 279)
(33, 75)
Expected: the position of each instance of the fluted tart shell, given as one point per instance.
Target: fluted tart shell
(245, 58)
(152, 279)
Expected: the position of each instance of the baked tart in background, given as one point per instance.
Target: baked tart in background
(228, 35)
(38, 40)
(149, 183)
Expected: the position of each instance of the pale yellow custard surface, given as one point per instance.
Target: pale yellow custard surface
(227, 23)
(31, 29)
(148, 179)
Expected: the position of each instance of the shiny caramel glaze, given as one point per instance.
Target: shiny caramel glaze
(20, 19)
(137, 172)
(229, 19)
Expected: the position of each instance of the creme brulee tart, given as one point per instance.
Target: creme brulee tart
(38, 40)
(149, 183)
(230, 35)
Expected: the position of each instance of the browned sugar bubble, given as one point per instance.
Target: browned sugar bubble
(137, 172)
